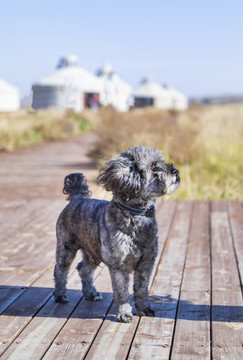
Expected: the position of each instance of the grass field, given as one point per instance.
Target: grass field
(30, 127)
(205, 144)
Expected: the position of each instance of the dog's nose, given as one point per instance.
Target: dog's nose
(176, 173)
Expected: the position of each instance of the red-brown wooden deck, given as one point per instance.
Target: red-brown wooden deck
(196, 287)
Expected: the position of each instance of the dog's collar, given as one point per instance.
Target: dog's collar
(149, 212)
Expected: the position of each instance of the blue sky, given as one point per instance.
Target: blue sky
(196, 46)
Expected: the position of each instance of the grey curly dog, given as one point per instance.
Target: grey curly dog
(121, 233)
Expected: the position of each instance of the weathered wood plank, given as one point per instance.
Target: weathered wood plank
(113, 340)
(225, 276)
(192, 331)
(236, 220)
(40, 331)
(8, 295)
(16, 220)
(227, 325)
(154, 336)
(227, 334)
(29, 237)
(20, 313)
(34, 250)
(77, 335)
(197, 267)
(47, 327)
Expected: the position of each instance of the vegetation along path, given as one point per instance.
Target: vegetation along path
(196, 285)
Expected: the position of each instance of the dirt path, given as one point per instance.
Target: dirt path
(38, 171)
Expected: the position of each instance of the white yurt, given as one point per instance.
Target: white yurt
(177, 99)
(150, 93)
(69, 86)
(115, 92)
(9, 97)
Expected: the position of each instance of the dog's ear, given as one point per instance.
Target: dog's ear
(121, 175)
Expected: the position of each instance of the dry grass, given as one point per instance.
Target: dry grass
(29, 127)
(204, 143)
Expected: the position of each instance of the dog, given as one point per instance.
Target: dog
(121, 233)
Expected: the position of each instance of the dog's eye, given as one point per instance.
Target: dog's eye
(155, 168)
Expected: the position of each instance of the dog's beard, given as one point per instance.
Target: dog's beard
(172, 188)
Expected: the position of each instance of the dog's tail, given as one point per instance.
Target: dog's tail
(75, 186)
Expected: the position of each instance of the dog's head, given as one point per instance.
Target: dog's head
(139, 172)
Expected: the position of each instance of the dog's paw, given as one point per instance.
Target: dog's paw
(125, 318)
(62, 299)
(146, 312)
(93, 296)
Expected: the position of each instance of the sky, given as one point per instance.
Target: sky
(195, 46)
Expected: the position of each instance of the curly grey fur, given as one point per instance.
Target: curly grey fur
(105, 232)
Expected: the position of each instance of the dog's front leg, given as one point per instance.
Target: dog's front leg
(141, 281)
(120, 284)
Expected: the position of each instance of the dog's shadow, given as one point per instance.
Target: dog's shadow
(39, 301)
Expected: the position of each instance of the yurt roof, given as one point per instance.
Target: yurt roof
(149, 88)
(174, 92)
(7, 88)
(105, 70)
(106, 73)
(69, 73)
(68, 61)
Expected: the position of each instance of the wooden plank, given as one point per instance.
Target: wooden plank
(154, 335)
(34, 253)
(77, 335)
(227, 316)
(17, 220)
(236, 220)
(46, 328)
(197, 268)
(225, 276)
(165, 213)
(39, 171)
(192, 331)
(8, 294)
(50, 318)
(11, 209)
(218, 206)
(28, 238)
(170, 269)
(227, 325)
(21, 312)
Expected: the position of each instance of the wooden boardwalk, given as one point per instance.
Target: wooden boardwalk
(196, 286)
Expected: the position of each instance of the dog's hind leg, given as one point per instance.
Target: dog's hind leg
(86, 269)
(64, 258)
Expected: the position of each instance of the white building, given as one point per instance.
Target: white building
(177, 99)
(150, 93)
(69, 86)
(115, 92)
(9, 97)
